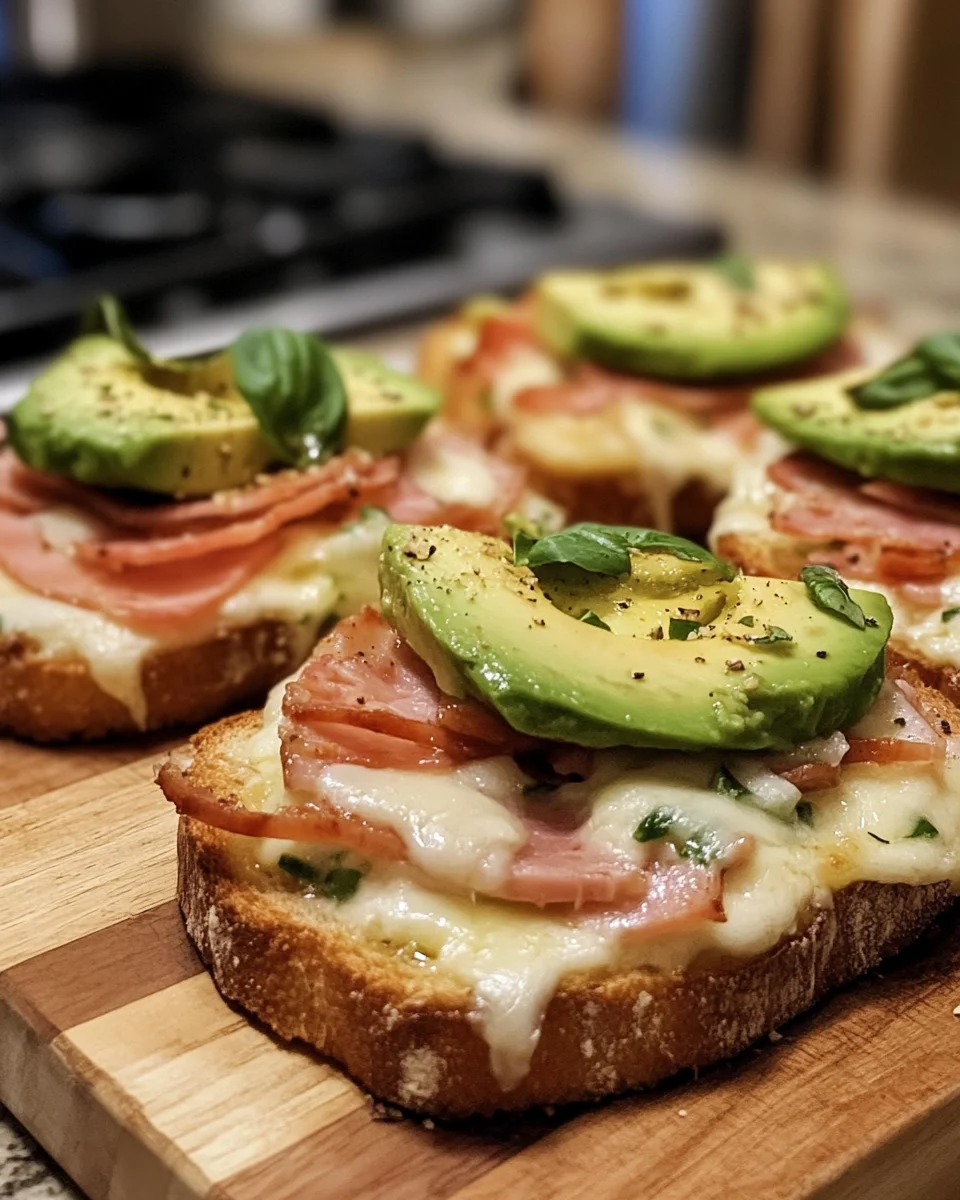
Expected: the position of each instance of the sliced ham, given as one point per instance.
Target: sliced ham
(342, 483)
(152, 599)
(366, 698)
(591, 388)
(679, 896)
(824, 503)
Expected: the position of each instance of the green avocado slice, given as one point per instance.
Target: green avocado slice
(106, 415)
(103, 416)
(747, 664)
(917, 443)
(386, 410)
(693, 320)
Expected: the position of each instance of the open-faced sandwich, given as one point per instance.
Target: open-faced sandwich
(173, 534)
(565, 819)
(873, 491)
(625, 392)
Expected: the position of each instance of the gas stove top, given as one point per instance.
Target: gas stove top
(203, 208)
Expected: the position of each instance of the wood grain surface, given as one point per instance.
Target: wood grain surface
(117, 1052)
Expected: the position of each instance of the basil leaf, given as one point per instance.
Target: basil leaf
(773, 635)
(589, 617)
(680, 630)
(923, 829)
(830, 594)
(655, 825)
(737, 270)
(948, 614)
(596, 548)
(295, 390)
(654, 541)
(523, 543)
(303, 872)
(909, 379)
(804, 811)
(703, 847)
(941, 352)
(726, 785)
(341, 883)
(748, 620)
(107, 315)
(338, 883)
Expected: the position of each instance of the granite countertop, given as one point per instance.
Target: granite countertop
(903, 255)
(26, 1172)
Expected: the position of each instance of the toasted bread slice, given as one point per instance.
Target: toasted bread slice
(408, 1034)
(620, 491)
(54, 698)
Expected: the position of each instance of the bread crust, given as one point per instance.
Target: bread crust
(405, 1033)
(45, 698)
(782, 558)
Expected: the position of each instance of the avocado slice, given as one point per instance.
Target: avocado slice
(105, 415)
(101, 415)
(693, 320)
(519, 642)
(385, 409)
(917, 443)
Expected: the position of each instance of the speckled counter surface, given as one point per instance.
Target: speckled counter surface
(26, 1173)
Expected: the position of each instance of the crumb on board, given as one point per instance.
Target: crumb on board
(681, 1112)
(775, 1036)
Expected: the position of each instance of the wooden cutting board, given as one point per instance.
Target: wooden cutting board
(118, 1054)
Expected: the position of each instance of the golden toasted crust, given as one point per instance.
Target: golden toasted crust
(55, 698)
(781, 557)
(405, 1032)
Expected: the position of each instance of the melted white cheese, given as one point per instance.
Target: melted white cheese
(453, 476)
(514, 956)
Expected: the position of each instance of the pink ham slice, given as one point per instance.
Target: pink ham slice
(333, 489)
(824, 503)
(151, 599)
(679, 896)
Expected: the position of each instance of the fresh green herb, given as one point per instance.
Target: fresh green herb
(655, 541)
(107, 315)
(589, 617)
(830, 594)
(726, 785)
(341, 883)
(655, 825)
(932, 366)
(737, 270)
(291, 382)
(773, 635)
(702, 846)
(680, 630)
(748, 620)
(303, 872)
(523, 543)
(337, 883)
(948, 614)
(923, 829)
(941, 352)
(804, 811)
(605, 549)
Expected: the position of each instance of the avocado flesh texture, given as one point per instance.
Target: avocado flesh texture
(102, 416)
(385, 409)
(487, 628)
(687, 321)
(916, 443)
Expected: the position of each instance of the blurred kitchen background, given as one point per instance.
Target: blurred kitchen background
(414, 150)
